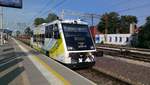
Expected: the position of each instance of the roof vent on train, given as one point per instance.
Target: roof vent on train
(77, 21)
(43, 24)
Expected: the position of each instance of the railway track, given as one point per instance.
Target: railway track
(124, 47)
(136, 54)
(100, 78)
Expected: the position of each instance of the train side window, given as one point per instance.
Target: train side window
(46, 32)
(56, 32)
(49, 31)
(42, 38)
(34, 38)
(37, 38)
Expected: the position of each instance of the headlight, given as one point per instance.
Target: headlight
(92, 47)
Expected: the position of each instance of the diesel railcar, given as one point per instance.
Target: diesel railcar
(66, 41)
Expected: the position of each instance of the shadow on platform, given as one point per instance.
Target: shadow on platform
(10, 63)
(9, 77)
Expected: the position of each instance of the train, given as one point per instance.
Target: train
(67, 41)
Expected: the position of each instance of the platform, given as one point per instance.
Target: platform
(29, 67)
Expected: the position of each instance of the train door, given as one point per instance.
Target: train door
(55, 41)
(59, 46)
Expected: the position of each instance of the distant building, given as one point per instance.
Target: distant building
(117, 39)
(6, 33)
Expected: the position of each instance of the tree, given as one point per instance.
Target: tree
(39, 21)
(18, 33)
(148, 20)
(125, 22)
(109, 21)
(28, 31)
(51, 17)
(116, 24)
(144, 35)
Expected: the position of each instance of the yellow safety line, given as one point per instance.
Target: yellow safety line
(52, 71)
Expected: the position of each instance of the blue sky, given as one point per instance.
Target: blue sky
(31, 8)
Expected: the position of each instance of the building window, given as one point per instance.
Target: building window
(116, 39)
(120, 39)
(127, 39)
(110, 39)
(97, 38)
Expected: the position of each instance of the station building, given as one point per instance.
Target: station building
(6, 34)
(114, 39)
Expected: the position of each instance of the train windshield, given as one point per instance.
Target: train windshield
(77, 37)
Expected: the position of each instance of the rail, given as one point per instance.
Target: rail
(137, 54)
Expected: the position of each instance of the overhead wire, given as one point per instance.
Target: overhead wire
(40, 13)
(118, 4)
(136, 7)
(133, 8)
(54, 7)
(60, 3)
(41, 9)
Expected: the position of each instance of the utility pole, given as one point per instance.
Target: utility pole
(1, 15)
(90, 16)
(92, 19)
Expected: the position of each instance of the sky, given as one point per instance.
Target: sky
(18, 18)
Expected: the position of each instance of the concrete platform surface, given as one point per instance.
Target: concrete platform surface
(30, 67)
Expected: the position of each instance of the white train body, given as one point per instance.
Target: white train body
(67, 41)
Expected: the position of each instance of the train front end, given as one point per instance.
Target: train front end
(79, 44)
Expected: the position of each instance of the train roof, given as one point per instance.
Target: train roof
(74, 22)
(41, 28)
(68, 21)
